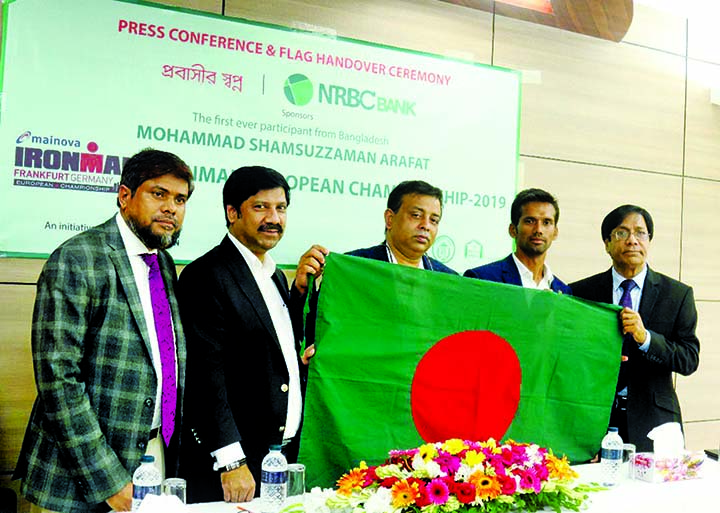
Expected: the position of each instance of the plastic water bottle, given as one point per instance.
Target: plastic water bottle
(273, 481)
(146, 480)
(611, 457)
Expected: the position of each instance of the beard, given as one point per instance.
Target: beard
(153, 240)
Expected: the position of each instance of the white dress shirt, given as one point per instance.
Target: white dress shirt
(526, 276)
(262, 272)
(393, 260)
(635, 296)
(134, 247)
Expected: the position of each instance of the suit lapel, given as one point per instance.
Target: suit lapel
(120, 260)
(510, 273)
(246, 284)
(281, 286)
(649, 295)
(380, 252)
(605, 291)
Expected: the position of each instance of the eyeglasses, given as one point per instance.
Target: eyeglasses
(622, 234)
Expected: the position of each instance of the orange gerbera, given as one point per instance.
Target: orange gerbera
(352, 481)
(560, 468)
(486, 487)
(404, 494)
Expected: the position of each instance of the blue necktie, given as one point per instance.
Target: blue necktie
(625, 301)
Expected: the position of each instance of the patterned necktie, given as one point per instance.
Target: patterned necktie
(166, 342)
(626, 301)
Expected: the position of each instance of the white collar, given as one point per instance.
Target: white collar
(265, 266)
(546, 280)
(393, 260)
(133, 245)
(639, 278)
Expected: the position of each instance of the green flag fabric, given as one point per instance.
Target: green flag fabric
(407, 356)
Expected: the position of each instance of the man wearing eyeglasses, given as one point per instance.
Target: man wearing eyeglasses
(658, 322)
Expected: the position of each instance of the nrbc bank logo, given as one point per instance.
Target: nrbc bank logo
(300, 90)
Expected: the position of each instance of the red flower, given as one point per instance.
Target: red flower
(508, 484)
(465, 492)
(388, 482)
(422, 498)
(370, 477)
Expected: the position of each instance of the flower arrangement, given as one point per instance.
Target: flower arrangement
(463, 476)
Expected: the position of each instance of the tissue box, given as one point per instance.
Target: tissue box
(647, 467)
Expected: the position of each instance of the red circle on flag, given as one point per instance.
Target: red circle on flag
(466, 386)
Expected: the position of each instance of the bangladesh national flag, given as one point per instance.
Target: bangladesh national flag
(406, 356)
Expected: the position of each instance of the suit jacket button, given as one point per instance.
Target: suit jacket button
(141, 445)
(148, 402)
(284, 388)
(282, 428)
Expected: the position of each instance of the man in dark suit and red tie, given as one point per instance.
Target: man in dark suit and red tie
(534, 216)
(109, 364)
(658, 321)
(243, 327)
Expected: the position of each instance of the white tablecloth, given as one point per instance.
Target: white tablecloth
(629, 496)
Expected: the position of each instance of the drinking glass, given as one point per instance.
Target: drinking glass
(296, 479)
(627, 470)
(175, 486)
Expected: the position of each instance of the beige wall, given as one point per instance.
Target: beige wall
(602, 124)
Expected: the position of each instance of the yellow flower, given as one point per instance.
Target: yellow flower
(486, 487)
(492, 445)
(404, 494)
(473, 458)
(428, 452)
(454, 446)
(560, 468)
(352, 481)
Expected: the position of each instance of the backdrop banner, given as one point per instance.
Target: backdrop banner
(88, 83)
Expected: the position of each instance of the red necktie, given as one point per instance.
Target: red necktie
(166, 342)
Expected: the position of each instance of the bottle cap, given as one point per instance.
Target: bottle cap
(275, 447)
(146, 458)
(612, 430)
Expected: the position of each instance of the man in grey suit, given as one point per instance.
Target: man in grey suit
(101, 350)
(658, 321)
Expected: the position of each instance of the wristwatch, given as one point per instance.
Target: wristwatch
(233, 465)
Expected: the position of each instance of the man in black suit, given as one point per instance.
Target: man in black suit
(243, 333)
(658, 321)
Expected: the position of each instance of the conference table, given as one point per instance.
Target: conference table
(629, 496)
